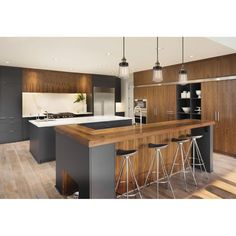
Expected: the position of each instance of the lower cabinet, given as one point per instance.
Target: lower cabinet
(161, 103)
(10, 130)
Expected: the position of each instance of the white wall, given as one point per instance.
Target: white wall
(37, 103)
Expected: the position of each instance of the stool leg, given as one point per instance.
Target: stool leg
(165, 174)
(120, 174)
(201, 159)
(157, 170)
(127, 177)
(190, 167)
(173, 164)
(189, 149)
(135, 180)
(149, 170)
(183, 165)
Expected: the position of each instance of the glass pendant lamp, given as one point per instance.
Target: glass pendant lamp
(124, 65)
(157, 69)
(183, 76)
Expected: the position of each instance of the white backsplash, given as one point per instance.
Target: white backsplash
(37, 103)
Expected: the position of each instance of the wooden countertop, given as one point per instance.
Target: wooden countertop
(92, 138)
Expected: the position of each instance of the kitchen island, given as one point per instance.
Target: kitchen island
(42, 133)
(86, 157)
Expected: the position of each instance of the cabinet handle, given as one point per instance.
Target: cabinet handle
(2, 118)
(215, 116)
(218, 116)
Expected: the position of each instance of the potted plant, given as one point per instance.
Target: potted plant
(81, 99)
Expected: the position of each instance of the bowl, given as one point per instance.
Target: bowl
(198, 92)
(186, 109)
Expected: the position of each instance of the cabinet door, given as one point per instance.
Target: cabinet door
(164, 103)
(226, 116)
(210, 108)
(170, 101)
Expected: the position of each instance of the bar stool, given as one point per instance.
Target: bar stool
(194, 157)
(180, 148)
(159, 159)
(126, 155)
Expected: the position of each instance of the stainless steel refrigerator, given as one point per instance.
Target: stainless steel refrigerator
(104, 101)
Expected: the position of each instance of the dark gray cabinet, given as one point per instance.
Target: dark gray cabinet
(10, 104)
(106, 81)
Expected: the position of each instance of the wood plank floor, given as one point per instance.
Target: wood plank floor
(21, 177)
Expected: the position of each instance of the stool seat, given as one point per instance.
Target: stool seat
(121, 152)
(180, 140)
(194, 136)
(156, 145)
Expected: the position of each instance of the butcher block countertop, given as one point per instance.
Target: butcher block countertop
(91, 137)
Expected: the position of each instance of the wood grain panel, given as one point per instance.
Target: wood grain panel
(55, 81)
(201, 69)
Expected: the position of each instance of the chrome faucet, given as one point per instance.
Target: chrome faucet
(46, 113)
(138, 109)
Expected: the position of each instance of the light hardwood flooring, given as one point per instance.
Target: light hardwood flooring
(21, 177)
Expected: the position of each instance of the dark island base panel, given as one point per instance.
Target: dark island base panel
(42, 143)
(91, 171)
(205, 145)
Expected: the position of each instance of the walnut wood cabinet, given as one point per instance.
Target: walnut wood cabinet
(55, 82)
(201, 69)
(218, 103)
(161, 102)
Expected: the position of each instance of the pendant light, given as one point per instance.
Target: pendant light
(157, 70)
(183, 77)
(124, 65)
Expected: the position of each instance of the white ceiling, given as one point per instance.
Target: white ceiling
(101, 55)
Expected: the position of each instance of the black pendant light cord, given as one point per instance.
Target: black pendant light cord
(157, 52)
(123, 47)
(182, 51)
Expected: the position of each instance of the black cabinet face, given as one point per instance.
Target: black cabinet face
(10, 104)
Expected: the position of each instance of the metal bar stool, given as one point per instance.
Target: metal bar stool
(195, 150)
(159, 159)
(126, 154)
(184, 161)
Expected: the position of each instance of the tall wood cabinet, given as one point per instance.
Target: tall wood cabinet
(161, 102)
(218, 104)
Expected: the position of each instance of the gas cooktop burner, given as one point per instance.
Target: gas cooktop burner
(61, 115)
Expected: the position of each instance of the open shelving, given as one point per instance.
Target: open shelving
(193, 101)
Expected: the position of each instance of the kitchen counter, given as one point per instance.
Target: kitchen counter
(93, 137)
(86, 157)
(76, 120)
(43, 115)
(42, 133)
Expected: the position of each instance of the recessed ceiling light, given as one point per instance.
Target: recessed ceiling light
(191, 56)
(54, 58)
(7, 62)
(108, 54)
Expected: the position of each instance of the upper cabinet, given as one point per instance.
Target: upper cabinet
(202, 69)
(55, 82)
(106, 81)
